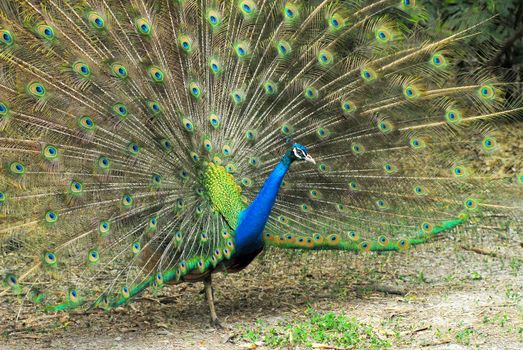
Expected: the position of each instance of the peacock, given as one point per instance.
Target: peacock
(154, 142)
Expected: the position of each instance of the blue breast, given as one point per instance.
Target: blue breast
(248, 237)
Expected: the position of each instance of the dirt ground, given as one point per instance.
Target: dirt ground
(464, 292)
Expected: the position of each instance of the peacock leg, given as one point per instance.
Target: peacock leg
(209, 294)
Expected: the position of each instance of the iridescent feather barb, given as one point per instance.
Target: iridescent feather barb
(144, 142)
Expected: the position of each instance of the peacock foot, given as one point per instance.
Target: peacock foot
(215, 322)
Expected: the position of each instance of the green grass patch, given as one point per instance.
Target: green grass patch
(464, 336)
(327, 328)
(515, 264)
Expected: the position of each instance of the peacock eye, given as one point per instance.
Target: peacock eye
(299, 153)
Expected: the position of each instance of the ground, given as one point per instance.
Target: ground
(464, 292)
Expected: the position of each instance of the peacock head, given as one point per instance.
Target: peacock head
(300, 153)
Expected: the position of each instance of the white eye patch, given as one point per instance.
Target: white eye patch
(298, 153)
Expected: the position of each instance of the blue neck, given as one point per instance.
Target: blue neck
(248, 236)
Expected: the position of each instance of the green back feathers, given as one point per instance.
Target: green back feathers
(224, 193)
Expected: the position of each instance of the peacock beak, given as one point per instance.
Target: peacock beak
(309, 159)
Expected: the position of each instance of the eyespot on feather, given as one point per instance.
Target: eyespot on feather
(214, 18)
(96, 20)
(353, 235)
(127, 201)
(81, 69)
(17, 168)
(325, 57)
(365, 246)
(248, 8)
(186, 43)
(368, 74)
(45, 32)
(118, 70)
(6, 38)
(133, 149)
(311, 93)
(36, 90)
(336, 22)
(156, 74)
(104, 227)
(143, 26)
(383, 241)
(402, 244)
(291, 12)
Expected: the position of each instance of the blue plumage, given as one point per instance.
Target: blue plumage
(252, 221)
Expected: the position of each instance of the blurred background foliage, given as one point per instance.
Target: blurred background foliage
(505, 27)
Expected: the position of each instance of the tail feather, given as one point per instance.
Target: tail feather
(351, 241)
